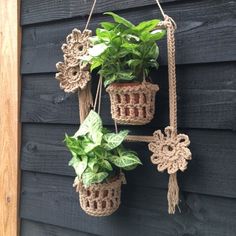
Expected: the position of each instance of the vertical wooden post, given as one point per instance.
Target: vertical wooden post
(9, 116)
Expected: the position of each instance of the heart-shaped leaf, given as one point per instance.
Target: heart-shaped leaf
(113, 140)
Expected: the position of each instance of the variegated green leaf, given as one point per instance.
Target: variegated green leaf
(92, 178)
(125, 160)
(92, 123)
(80, 166)
(106, 165)
(113, 140)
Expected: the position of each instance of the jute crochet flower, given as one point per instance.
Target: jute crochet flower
(77, 45)
(73, 73)
(170, 151)
(72, 78)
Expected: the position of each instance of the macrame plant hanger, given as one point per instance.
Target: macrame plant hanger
(170, 150)
(74, 76)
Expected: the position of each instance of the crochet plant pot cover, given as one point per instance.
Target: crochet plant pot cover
(132, 103)
(101, 199)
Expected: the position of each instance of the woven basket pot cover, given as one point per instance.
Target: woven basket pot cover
(132, 103)
(101, 199)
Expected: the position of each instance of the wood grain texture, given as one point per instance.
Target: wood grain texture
(206, 95)
(9, 116)
(204, 34)
(212, 170)
(31, 228)
(206, 112)
(38, 11)
(52, 200)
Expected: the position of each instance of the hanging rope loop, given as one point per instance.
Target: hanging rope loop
(170, 22)
(167, 19)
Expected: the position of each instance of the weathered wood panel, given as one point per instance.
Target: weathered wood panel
(51, 199)
(31, 228)
(10, 43)
(38, 11)
(201, 36)
(205, 98)
(212, 170)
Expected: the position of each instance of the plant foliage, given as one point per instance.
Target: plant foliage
(98, 154)
(123, 51)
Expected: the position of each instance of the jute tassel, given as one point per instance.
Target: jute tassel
(85, 99)
(173, 193)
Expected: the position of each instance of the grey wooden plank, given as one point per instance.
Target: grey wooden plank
(206, 95)
(201, 35)
(211, 171)
(51, 199)
(33, 228)
(37, 11)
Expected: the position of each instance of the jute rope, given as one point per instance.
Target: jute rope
(98, 97)
(173, 188)
(90, 14)
(159, 5)
(85, 98)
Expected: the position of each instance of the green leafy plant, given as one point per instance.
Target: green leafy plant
(123, 51)
(97, 153)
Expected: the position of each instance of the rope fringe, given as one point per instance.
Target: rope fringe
(173, 193)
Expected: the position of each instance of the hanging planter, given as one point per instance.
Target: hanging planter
(125, 54)
(98, 158)
(132, 103)
(100, 199)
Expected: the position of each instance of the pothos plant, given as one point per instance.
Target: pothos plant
(98, 154)
(123, 51)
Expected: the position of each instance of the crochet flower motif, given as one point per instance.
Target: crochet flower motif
(73, 73)
(170, 151)
(77, 45)
(72, 78)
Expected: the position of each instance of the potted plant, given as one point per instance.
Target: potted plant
(124, 54)
(98, 157)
